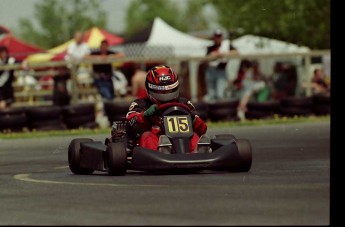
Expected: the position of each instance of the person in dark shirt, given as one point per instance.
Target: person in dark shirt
(6, 79)
(103, 73)
(216, 78)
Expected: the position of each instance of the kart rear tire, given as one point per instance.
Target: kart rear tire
(117, 159)
(245, 153)
(74, 157)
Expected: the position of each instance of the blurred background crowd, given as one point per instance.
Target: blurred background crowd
(250, 51)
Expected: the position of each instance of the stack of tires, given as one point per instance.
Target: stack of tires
(79, 116)
(322, 104)
(262, 110)
(116, 110)
(12, 119)
(296, 106)
(44, 118)
(223, 110)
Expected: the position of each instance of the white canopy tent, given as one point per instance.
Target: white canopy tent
(183, 44)
(165, 38)
(251, 44)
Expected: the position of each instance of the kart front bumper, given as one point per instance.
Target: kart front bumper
(224, 158)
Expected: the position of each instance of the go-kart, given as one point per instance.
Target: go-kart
(115, 156)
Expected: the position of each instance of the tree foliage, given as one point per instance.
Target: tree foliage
(141, 13)
(59, 20)
(304, 22)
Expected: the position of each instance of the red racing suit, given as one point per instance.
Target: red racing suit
(143, 128)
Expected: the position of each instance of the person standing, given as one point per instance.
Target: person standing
(6, 79)
(216, 78)
(103, 73)
(138, 82)
(78, 49)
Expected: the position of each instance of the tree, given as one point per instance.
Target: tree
(141, 14)
(59, 20)
(186, 16)
(304, 22)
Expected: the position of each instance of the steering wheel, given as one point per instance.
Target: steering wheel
(165, 106)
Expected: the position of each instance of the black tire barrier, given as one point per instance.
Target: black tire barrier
(13, 123)
(115, 111)
(79, 116)
(201, 109)
(12, 111)
(262, 110)
(44, 118)
(295, 111)
(47, 125)
(13, 119)
(321, 104)
(41, 113)
(223, 110)
(321, 110)
(116, 117)
(296, 106)
(268, 106)
(304, 102)
(80, 121)
(77, 110)
(257, 114)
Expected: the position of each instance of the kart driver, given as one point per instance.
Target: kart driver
(162, 86)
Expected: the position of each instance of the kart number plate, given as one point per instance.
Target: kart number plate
(178, 125)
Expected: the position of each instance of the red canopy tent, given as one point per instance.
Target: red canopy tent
(18, 49)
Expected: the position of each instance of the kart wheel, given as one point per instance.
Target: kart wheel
(74, 157)
(245, 154)
(117, 159)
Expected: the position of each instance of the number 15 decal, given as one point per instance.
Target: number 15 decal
(178, 124)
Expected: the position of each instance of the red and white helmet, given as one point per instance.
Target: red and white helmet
(162, 84)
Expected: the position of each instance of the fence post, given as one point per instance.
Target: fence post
(193, 80)
(74, 84)
(307, 61)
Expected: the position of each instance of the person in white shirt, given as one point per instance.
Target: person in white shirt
(78, 49)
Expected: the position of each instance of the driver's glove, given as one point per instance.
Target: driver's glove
(153, 109)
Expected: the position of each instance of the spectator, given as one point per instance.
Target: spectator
(120, 83)
(248, 82)
(319, 84)
(216, 79)
(78, 49)
(6, 79)
(138, 82)
(103, 73)
(284, 80)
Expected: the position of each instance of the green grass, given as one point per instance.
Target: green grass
(221, 124)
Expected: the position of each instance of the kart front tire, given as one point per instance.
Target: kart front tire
(245, 153)
(74, 157)
(117, 159)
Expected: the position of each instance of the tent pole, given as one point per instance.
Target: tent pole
(192, 65)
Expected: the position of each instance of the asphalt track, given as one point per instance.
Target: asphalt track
(288, 184)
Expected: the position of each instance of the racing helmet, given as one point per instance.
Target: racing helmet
(162, 84)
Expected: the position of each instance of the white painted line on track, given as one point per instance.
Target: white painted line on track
(26, 177)
(61, 167)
